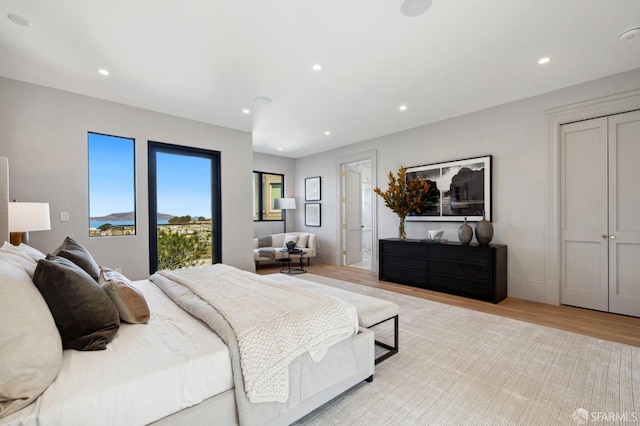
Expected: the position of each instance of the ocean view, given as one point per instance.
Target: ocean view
(97, 224)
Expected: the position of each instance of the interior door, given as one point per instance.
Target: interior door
(584, 210)
(353, 216)
(624, 226)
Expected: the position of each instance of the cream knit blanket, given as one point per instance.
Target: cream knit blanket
(274, 323)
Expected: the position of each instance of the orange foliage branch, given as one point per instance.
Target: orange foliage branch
(402, 197)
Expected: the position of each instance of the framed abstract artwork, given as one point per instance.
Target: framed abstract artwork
(312, 214)
(312, 189)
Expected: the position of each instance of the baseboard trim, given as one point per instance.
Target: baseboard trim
(526, 288)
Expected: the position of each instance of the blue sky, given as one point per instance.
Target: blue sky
(184, 183)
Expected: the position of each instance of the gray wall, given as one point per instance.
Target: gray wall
(43, 132)
(513, 133)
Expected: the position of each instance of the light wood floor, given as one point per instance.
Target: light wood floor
(618, 328)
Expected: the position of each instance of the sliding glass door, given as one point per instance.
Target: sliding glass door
(184, 207)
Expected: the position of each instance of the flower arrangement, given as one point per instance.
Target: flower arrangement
(404, 197)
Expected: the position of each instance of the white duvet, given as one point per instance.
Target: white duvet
(147, 372)
(273, 322)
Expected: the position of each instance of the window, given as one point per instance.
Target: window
(184, 207)
(112, 195)
(266, 188)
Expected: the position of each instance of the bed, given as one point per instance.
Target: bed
(171, 370)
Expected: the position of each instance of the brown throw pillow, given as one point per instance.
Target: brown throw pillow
(130, 303)
(85, 316)
(75, 252)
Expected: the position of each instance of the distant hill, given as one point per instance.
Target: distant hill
(125, 216)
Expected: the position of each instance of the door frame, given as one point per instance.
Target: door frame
(340, 162)
(554, 118)
(216, 197)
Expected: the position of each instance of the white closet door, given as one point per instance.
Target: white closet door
(624, 214)
(584, 242)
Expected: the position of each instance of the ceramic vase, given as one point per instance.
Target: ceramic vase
(484, 231)
(465, 233)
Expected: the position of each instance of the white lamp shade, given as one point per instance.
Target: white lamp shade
(284, 204)
(25, 217)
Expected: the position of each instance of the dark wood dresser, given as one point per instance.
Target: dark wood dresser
(475, 271)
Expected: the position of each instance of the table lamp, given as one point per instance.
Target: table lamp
(25, 217)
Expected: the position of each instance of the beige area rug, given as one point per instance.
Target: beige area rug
(463, 367)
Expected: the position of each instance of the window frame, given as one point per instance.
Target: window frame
(261, 197)
(134, 184)
(154, 147)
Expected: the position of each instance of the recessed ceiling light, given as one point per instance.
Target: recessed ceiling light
(544, 60)
(279, 149)
(104, 72)
(411, 8)
(630, 34)
(19, 20)
(246, 111)
(402, 107)
(327, 133)
(317, 67)
(262, 100)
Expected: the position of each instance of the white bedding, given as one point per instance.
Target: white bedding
(147, 372)
(273, 322)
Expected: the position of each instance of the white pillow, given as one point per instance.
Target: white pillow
(30, 344)
(302, 241)
(10, 248)
(289, 237)
(32, 252)
(19, 259)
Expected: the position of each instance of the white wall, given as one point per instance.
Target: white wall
(43, 132)
(513, 133)
(280, 165)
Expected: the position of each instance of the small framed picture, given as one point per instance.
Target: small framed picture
(312, 189)
(312, 214)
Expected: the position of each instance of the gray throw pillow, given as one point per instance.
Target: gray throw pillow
(75, 252)
(265, 241)
(84, 314)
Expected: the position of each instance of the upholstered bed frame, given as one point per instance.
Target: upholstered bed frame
(4, 199)
(221, 409)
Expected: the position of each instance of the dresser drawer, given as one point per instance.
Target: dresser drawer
(408, 262)
(456, 269)
(404, 249)
(470, 288)
(404, 276)
(469, 254)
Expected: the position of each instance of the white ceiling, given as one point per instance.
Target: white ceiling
(208, 59)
